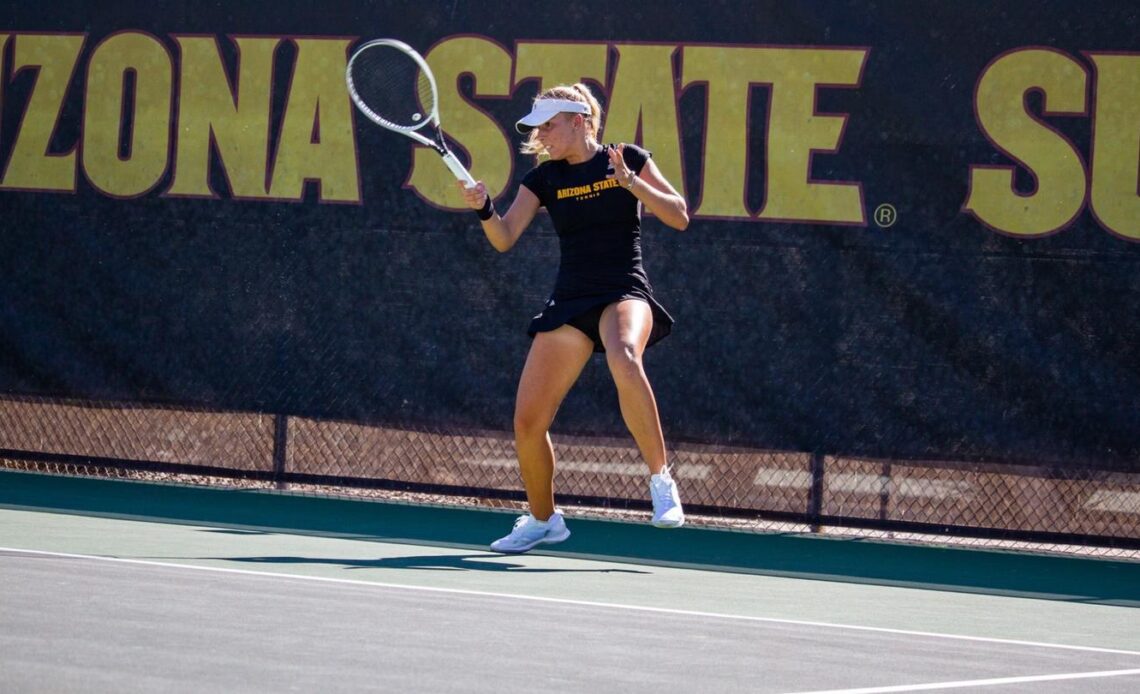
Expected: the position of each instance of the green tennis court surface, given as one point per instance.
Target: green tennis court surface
(118, 586)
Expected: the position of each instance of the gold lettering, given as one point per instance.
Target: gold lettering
(112, 60)
(490, 150)
(32, 166)
(725, 72)
(643, 106)
(798, 133)
(560, 63)
(318, 141)
(795, 130)
(1115, 185)
(575, 191)
(1047, 155)
(235, 118)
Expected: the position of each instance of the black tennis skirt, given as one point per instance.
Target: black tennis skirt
(585, 312)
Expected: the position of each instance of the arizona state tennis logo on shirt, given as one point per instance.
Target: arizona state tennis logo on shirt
(587, 192)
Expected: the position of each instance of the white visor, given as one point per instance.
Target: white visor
(545, 109)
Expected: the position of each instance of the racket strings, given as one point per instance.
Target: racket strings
(391, 84)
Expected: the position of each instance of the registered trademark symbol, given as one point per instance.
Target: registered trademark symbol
(886, 215)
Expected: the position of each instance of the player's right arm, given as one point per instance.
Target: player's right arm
(503, 230)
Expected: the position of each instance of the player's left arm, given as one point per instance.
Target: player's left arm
(653, 190)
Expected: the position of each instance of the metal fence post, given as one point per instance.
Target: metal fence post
(280, 442)
(815, 496)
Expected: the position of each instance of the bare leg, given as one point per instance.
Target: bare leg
(554, 363)
(625, 328)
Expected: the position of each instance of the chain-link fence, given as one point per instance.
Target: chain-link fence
(980, 503)
(316, 310)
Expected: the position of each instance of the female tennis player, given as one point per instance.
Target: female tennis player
(602, 300)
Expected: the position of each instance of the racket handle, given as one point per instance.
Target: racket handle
(458, 169)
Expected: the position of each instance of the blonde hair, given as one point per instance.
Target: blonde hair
(570, 92)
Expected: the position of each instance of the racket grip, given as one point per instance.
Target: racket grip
(458, 169)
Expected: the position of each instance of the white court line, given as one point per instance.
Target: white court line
(996, 681)
(568, 601)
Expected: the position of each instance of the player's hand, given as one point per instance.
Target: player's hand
(475, 196)
(622, 173)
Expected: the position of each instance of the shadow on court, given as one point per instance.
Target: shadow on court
(438, 562)
(1073, 579)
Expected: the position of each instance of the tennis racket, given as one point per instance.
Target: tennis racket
(393, 86)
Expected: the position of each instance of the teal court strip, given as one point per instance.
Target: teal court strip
(863, 616)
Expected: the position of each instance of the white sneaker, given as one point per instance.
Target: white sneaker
(529, 532)
(667, 511)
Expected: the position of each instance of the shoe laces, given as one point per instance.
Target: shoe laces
(523, 525)
(662, 490)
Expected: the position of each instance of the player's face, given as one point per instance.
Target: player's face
(559, 136)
